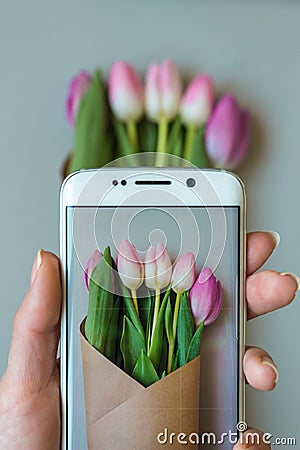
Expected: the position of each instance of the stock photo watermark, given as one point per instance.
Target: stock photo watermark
(231, 437)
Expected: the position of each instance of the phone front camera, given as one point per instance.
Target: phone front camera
(123, 182)
(190, 182)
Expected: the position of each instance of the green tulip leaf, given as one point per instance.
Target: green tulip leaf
(194, 348)
(101, 303)
(169, 321)
(90, 133)
(185, 328)
(144, 371)
(132, 344)
(175, 361)
(195, 149)
(147, 132)
(129, 307)
(124, 147)
(157, 338)
(149, 325)
(111, 344)
(145, 309)
(175, 139)
(163, 363)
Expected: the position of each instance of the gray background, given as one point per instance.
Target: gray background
(251, 48)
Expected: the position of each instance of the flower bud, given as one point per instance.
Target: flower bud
(163, 91)
(90, 266)
(227, 134)
(206, 298)
(197, 101)
(77, 89)
(158, 267)
(130, 267)
(184, 273)
(126, 92)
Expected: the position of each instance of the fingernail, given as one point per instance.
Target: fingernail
(36, 265)
(268, 362)
(276, 237)
(297, 279)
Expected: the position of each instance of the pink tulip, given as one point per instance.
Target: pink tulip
(158, 267)
(130, 267)
(227, 133)
(126, 92)
(163, 91)
(206, 298)
(184, 273)
(197, 101)
(77, 89)
(90, 266)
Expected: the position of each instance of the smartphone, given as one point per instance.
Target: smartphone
(187, 209)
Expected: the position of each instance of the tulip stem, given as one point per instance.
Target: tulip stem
(188, 145)
(133, 293)
(172, 341)
(132, 134)
(156, 310)
(170, 357)
(161, 142)
(176, 311)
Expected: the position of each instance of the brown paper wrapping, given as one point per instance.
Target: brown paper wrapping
(121, 414)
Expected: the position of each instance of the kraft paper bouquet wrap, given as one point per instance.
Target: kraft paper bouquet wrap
(140, 346)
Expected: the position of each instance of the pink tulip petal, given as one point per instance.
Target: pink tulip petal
(222, 130)
(150, 267)
(242, 143)
(130, 267)
(184, 273)
(90, 265)
(76, 90)
(126, 92)
(197, 102)
(205, 297)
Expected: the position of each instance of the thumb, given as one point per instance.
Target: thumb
(32, 356)
(253, 440)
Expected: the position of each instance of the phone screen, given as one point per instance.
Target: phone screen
(181, 229)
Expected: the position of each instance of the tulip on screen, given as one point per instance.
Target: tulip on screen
(90, 266)
(158, 271)
(130, 268)
(206, 298)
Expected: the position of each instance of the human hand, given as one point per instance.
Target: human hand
(29, 389)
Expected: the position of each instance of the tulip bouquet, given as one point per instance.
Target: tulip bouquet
(141, 344)
(126, 116)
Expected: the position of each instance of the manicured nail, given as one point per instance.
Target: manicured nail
(292, 275)
(268, 362)
(36, 265)
(276, 237)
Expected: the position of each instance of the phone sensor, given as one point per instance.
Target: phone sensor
(190, 182)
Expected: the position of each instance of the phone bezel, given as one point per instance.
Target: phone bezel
(91, 187)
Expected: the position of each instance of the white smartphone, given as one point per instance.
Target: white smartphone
(202, 211)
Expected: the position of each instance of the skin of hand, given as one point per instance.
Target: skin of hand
(29, 389)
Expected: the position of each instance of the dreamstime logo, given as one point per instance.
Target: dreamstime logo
(175, 225)
(232, 437)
